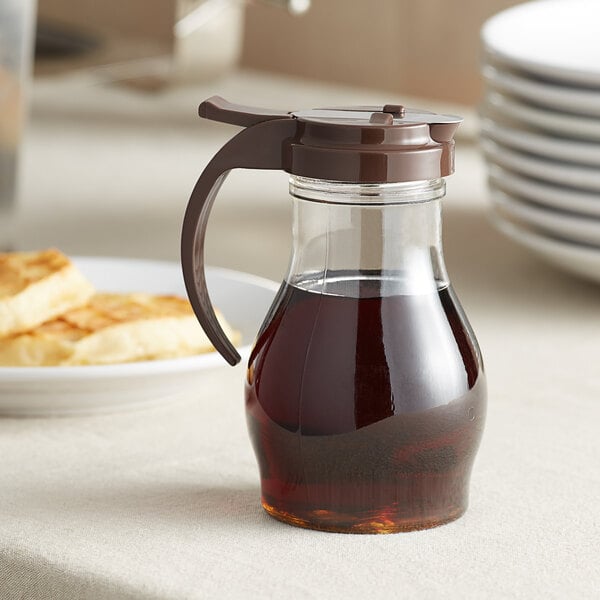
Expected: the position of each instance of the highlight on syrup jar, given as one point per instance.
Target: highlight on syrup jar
(365, 390)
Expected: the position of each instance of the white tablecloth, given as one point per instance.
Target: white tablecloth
(164, 503)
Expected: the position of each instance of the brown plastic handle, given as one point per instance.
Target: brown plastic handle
(257, 147)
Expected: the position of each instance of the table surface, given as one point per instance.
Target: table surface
(164, 503)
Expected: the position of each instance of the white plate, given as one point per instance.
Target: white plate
(579, 260)
(584, 153)
(552, 195)
(52, 391)
(581, 230)
(556, 39)
(570, 126)
(564, 174)
(582, 101)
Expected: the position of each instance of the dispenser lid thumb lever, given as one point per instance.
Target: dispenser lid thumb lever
(219, 109)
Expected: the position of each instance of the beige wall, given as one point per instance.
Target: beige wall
(418, 47)
(124, 30)
(140, 18)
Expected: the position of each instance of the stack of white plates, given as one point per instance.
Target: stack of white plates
(541, 128)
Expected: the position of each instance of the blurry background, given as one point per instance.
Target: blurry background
(427, 48)
(113, 144)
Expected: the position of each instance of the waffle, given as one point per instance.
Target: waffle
(112, 328)
(36, 287)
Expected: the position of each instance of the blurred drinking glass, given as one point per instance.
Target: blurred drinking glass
(16, 43)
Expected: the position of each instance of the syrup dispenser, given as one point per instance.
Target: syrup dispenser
(365, 392)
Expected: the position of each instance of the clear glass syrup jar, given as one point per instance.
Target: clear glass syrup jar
(365, 391)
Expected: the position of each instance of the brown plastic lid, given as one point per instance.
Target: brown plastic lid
(360, 144)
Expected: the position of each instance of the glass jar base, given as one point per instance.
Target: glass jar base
(374, 523)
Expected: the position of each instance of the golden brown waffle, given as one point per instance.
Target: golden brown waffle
(36, 287)
(112, 328)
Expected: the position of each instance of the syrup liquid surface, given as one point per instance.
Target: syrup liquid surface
(365, 412)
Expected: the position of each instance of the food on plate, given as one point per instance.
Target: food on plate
(112, 328)
(36, 287)
(50, 315)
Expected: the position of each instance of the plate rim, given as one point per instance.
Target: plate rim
(535, 240)
(570, 125)
(536, 67)
(536, 143)
(547, 219)
(503, 155)
(511, 179)
(544, 93)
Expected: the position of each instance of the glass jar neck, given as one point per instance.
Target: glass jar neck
(367, 239)
(337, 192)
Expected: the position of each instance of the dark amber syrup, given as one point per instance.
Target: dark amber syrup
(365, 412)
